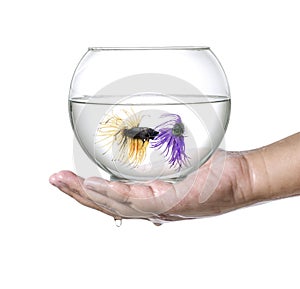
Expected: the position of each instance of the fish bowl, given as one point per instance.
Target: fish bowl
(146, 113)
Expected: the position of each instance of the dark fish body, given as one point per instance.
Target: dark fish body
(142, 133)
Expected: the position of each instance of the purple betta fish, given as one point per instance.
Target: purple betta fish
(171, 137)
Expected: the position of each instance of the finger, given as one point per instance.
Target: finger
(118, 191)
(120, 208)
(150, 199)
(72, 185)
(121, 192)
(66, 178)
(86, 202)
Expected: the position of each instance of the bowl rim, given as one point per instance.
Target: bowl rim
(96, 48)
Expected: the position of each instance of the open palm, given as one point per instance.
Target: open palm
(220, 185)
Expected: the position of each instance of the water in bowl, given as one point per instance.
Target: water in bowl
(149, 136)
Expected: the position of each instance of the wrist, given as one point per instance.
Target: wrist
(259, 181)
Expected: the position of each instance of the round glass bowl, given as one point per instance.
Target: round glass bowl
(149, 112)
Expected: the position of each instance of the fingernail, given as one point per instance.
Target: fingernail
(53, 179)
(56, 180)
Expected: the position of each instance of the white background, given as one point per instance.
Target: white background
(50, 241)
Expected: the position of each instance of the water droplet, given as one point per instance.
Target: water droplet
(118, 222)
(157, 223)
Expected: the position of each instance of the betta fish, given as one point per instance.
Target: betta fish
(171, 138)
(132, 140)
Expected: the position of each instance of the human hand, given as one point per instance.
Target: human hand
(220, 185)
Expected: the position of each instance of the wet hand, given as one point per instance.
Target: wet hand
(219, 186)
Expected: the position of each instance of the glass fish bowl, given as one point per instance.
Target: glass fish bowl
(146, 113)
